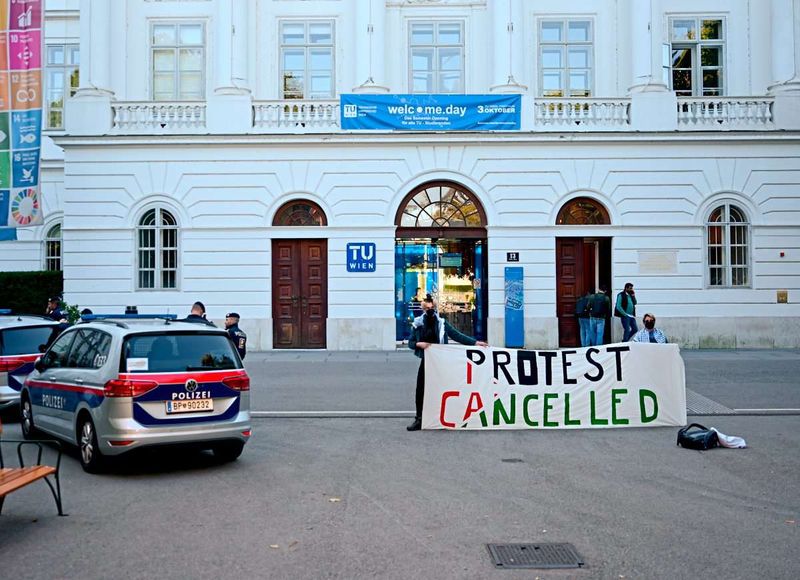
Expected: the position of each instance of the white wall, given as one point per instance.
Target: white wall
(225, 197)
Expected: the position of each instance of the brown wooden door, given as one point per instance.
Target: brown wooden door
(569, 286)
(299, 293)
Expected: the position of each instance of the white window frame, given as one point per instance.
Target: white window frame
(436, 47)
(726, 245)
(695, 46)
(158, 269)
(67, 69)
(564, 45)
(307, 47)
(176, 94)
(53, 248)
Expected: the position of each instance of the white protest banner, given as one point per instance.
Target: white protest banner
(614, 385)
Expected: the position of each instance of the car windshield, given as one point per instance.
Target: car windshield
(30, 340)
(178, 352)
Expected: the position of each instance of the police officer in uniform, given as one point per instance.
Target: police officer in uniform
(237, 336)
(53, 309)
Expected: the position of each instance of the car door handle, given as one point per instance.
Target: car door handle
(79, 381)
(52, 379)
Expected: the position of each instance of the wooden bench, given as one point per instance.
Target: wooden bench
(14, 478)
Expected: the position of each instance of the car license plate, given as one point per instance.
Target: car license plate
(191, 406)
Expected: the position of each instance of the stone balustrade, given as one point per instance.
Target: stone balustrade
(157, 117)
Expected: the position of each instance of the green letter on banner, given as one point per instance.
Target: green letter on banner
(567, 420)
(547, 407)
(500, 410)
(525, 414)
(593, 404)
(647, 393)
(615, 400)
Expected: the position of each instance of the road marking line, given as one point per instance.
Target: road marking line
(330, 414)
(767, 410)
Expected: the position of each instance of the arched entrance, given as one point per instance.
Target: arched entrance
(299, 280)
(440, 249)
(582, 264)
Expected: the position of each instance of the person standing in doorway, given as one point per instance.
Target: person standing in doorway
(237, 336)
(582, 313)
(626, 310)
(600, 306)
(428, 329)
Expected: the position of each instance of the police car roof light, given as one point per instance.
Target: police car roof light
(89, 317)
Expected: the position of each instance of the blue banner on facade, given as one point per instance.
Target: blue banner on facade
(515, 307)
(431, 112)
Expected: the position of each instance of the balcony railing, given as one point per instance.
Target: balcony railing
(295, 116)
(156, 117)
(577, 114)
(721, 113)
(549, 114)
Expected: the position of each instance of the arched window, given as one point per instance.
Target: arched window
(434, 206)
(728, 242)
(52, 249)
(583, 211)
(300, 212)
(157, 251)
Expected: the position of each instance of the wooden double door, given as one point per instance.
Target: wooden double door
(299, 293)
(581, 264)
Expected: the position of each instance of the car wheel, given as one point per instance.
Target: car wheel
(90, 456)
(228, 451)
(26, 417)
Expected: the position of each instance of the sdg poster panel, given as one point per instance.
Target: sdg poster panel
(20, 112)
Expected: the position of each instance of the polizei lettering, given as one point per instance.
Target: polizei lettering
(183, 396)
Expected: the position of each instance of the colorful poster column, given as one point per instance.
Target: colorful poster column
(20, 112)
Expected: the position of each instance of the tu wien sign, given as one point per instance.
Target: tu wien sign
(361, 257)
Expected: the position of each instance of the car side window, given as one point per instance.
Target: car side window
(56, 357)
(90, 349)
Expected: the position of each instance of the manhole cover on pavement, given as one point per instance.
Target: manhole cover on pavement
(514, 556)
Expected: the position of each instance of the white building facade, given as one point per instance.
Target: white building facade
(195, 152)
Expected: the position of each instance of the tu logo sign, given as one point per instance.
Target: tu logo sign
(361, 257)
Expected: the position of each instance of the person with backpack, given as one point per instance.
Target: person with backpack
(625, 309)
(582, 312)
(600, 310)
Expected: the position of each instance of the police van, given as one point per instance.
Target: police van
(23, 338)
(112, 385)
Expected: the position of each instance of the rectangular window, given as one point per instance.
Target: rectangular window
(178, 61)
(307, 62)
(566, 58)
(61, 81)
(697, 54)
(436, 57)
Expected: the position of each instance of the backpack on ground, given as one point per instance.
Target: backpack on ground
(700, 439)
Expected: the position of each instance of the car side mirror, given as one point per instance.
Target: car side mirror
(39, 365)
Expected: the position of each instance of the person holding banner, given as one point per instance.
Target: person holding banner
(650, 333)
(430, 328)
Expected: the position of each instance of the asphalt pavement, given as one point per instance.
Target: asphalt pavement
(360, 497)
(380, 383)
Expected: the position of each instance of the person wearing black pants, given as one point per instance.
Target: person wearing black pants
(430, 328)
